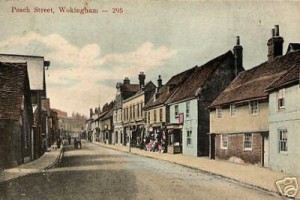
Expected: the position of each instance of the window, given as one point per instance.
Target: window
(148, 117)
(232, 110)
(187, 109)
(219, 112)
(133, 112)
(189, 138)
(224, 141)
(138, 110)
(154, 116)
(283, 146)
(176, 112)
(253, 106)
(281, 99)
(160, 115)
(247, 141)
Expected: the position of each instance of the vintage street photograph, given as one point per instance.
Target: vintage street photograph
(151, 99)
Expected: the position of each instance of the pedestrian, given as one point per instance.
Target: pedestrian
(69, 139)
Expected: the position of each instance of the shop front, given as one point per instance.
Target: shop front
(174, 138)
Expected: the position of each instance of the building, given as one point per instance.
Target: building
(124, 91)
(106, 123)
(284, 122)
(16, 116)
(239, 117)
(36, 66)
(156, 110)
(133, 114)
(188, 114)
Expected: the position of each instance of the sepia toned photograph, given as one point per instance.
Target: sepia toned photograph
(149, 99)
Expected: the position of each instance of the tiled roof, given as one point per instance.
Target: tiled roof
(291, 76)
(130, 87)
(13, 77)
(199, 77)
(165, 93)
(252, 84)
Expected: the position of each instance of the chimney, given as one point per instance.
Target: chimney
(275, 44)
(159, 82)
(126, 80)
(142, 77)
(238, 56)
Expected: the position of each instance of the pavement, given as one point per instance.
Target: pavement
(46, 161)
(253, 176)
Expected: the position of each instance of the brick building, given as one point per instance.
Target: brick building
(16, 118)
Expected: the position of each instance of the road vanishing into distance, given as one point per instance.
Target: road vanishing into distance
(95, 172)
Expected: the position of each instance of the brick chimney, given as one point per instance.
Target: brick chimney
(159, 82)
(238, 56)
(275, 44)
(126, 80)
(142, 77)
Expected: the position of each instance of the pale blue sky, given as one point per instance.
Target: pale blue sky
(90, 52)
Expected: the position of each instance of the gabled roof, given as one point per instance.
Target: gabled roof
(165, 92)
(293, 47)
(292, 76)
(199, 77)
(13, 77)
(252, 84)
(35, 67)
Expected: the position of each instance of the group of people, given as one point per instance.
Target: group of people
(155, 144)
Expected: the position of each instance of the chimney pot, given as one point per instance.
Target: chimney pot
(276, 30)
(273, 32)
(237, 40)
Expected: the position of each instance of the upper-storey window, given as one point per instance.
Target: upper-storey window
(253, 107)
(187, 109)
(176, 111)
(281, 99)
(219, 112)
(232, 109)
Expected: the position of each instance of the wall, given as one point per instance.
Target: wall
(10, 143)
(243, 121)
(236, 149)
(289, 119)
(133, 101)
(151, 111)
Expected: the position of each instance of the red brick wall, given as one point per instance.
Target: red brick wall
(236, 148)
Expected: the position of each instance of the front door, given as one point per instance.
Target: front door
(266, 151)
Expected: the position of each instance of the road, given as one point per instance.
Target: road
(95, 172)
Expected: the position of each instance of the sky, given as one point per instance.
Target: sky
(91, 52)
